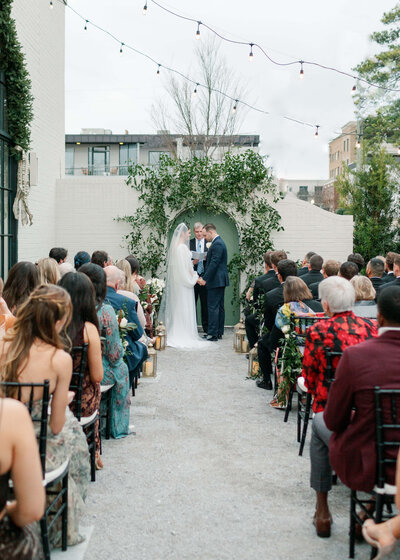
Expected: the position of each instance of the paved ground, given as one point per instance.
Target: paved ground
(212, 474)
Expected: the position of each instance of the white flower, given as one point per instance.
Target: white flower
(125, 344)
(287, 336)
(208, 245)
(285, 329)
(123, 322)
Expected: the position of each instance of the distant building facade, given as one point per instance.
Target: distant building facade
(309, 190)
(342, 150)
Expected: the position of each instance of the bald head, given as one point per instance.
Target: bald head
(113, 276)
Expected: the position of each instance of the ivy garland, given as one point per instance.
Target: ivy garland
(238, 186)
(12, 63)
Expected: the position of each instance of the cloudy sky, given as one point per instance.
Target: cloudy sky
(106, 90)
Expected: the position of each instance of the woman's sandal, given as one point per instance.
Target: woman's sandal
(98, 462)
(275, 404)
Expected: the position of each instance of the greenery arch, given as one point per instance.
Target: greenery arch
(240, 185)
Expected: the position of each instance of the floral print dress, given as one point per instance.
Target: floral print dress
(115, 371)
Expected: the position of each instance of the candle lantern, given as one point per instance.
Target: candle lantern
(254, 365)
(241, 344)
(149, 368)
(235, 330)
(161, 335)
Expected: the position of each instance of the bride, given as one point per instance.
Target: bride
(178, 309)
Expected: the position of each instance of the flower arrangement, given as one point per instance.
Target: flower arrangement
(289, 361)
(125, 327)
(152, 293)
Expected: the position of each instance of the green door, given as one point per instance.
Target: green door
(226, 228)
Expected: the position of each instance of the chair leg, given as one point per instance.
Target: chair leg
(305, 424)
(92, 451)
(64, 517)
(289, 404)
(45, 537)
(299, 412)
(108, 417)
(352, 523)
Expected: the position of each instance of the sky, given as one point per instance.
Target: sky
(107, 90)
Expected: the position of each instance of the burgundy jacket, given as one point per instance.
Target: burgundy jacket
(352, 447)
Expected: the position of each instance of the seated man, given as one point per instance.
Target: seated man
(136, 351)
(347, 270)
(304, 265)
(341, 330)
(329, 268)
(314, 274)
(358, 260)
(352, 446)
(389, 262)
(59, 254)
(101, 258)
(375, 270)
(396, 273)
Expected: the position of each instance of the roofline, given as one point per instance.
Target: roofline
(223, 140)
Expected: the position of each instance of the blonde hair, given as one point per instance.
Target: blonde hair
(126, 269)
(363, 288)
(49, 273)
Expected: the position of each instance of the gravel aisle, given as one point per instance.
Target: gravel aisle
(213, 473)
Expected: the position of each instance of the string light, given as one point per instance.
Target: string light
(316, 130)
(198, 30)
(120, 50)
(195, 90)
(158, 69)
(86, 22)
(235, 106)
(51, 5)
(301, 75)
(353, 89)
(251, 55)
(145, 9)
(358, 144)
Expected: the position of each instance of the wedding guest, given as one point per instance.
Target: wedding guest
(314, 274)
(374, 271)
(364, 305)
(58, 254)
(342, 329)
(20, 461)
(84, 329)
(127, 289)
(101, 258)
(32, 351)
(135, 268)
(329, 268)
(7, 319)
(390, 256)
(396, 273)
(64, 268)
(348, 269)
(81, 257)
(115, 369)
(49, 273)
(137, 351)
(350, 411)
(147, 307)
(198, 244)
(357, 259)
(305, 264)
(22, 280)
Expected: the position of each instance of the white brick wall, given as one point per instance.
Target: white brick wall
(41, 33)
(87, 206)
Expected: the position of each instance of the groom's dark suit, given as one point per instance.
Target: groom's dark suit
(216, 278)
(201, 291)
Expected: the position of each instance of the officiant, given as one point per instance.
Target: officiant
(198, 245)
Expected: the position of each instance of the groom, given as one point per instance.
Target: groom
(215, 279)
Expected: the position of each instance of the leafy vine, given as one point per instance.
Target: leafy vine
(238, 185)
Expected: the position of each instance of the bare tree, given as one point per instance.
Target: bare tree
(201, 114)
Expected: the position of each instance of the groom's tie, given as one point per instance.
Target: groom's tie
(200, 263)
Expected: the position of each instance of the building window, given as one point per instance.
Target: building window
(154, 157)
(99, 160)
(8, 187)
(347, 144)
(69, 160)
(128, 155)
(303, 193)
(344, 145)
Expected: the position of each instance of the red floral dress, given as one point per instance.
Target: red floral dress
(337, 333)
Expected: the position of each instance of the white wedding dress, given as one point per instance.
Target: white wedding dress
(178, 311)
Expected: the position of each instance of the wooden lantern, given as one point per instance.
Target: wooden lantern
(235, 330)
(149, 367)
(241, 344)
(161, 335)
(254, 365)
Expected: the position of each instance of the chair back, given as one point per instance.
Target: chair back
(79, 358)
(14, 390)
(332, 360)
(387, 413)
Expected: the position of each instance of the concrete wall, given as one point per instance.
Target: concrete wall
(87, 206)
(41, 33)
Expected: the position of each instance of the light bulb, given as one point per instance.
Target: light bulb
(51, 5)
(301, 76)
(234, 107)
(316, 130)
(145, 9)
(251, 55)
(85, 28)
(120, 50)
(158, 69)
(353, 89)
(198, 30)
(358, 143)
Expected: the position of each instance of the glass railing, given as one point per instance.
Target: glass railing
(96, 170)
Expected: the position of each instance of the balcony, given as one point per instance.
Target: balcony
(96, 170)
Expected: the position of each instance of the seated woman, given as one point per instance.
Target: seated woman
(19, 460)
(81, 258)
(135, 267)
(385, 536)
(49, 272)
(33, 351)
(115, 369)
(365, 305)
(298, 303)
(127, 289)
(7, 319)
(22, 280)
(84, 329)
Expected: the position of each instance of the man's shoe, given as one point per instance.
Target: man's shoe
(205, 335)
(212, 338)
(220, 337)
(265, 384)
(322, 526)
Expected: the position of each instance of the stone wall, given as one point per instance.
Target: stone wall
(41, 33)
